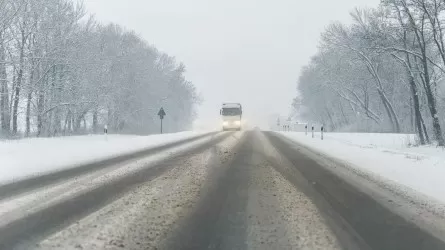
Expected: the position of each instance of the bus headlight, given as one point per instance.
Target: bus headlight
(225, 123)
(237, 123)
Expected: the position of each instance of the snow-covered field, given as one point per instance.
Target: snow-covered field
(29, 157)
(385, 155)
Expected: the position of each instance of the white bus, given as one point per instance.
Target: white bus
(231, 116)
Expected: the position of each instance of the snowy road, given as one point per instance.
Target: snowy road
(240, 190)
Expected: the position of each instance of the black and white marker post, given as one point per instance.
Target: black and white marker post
(312, 131)
(305, 128)
(106, 132)
(322, 130)
(161, 115)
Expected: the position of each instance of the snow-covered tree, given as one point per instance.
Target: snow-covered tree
(383, 72)
(61, 72)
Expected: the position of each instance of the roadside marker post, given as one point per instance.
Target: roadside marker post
(312, 131)
(322, 130)
(106, 131)
(305, 128)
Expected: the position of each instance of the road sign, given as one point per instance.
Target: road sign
(161, 115)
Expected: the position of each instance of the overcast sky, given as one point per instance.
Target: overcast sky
(247, 51)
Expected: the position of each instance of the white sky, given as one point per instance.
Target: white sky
(247, 51)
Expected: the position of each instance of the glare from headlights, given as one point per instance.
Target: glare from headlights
(226, 123)
(238, 123)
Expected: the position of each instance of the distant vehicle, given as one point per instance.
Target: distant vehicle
(231, 114)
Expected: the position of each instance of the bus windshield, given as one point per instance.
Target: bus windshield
(231, 111)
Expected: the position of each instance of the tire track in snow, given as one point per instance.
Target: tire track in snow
(39, 222)
(140, 219)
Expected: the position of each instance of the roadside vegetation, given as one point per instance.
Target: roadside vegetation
(384, 72)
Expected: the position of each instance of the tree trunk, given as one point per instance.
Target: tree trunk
(57, 79)
(40, 107)
(427, 138)
(77, 125)
(18, 84)
(388, 112)
(78, 122)
(4, 93)
(28, 114)
(28, 102)
(70, 121)
(436, 123)
(15, 107)
(416, 103)
(95, 121)
(395, 119)
(65, 124)
(412, 118)
(431, 101)
(417, 113)
(417, 120)
(421, 42)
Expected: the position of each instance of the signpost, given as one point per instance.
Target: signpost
(161, 115)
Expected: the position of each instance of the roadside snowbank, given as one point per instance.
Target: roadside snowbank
(29, 157)
(385, 155)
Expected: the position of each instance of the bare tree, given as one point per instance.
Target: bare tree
(417, 23)
(61, 73)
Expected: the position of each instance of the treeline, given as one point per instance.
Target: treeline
(383, 73)
(61, 72)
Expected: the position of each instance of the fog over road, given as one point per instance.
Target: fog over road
(225, 190)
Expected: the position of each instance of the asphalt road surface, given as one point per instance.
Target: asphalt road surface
(230, 190)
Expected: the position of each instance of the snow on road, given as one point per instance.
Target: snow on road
(25, 158)
(278, 216)
(141, 219)
(14, 208)
(278, 210)
(389, 157)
